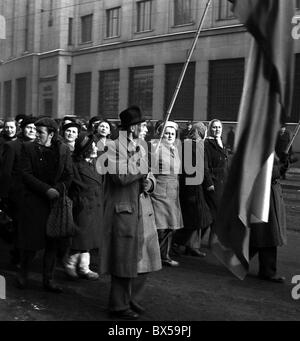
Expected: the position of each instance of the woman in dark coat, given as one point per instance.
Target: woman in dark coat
(216, 169)
(216, 164)
(195, 211)
(86, 193)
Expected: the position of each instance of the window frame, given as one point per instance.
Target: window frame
(90, 31)
(110, 23)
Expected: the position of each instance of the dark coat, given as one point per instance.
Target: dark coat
(87, 196)
(36, 207)
(10, 176)
(195, 211)
(273, 233)
(216, 164)
(122, 233)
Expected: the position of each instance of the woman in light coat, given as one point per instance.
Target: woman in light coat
(165, 198)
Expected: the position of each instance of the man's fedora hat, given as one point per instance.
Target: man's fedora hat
(131, 116)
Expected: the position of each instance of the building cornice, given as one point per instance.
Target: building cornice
(238, 28)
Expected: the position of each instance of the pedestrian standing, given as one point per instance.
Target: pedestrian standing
(165, 198)
(122, 244)
(46, 170)
(86, 194)
(216, 164)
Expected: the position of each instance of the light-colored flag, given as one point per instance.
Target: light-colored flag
(267, 94)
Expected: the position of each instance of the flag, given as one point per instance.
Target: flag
(267, 96)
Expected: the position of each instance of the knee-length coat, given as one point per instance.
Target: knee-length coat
(165, 197)
(123, 232)
(216, 164)
(87, 196)
(195, 211)
(35, 208)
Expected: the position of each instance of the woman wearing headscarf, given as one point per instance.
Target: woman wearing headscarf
(216, 163)
(165, 198)
(195, 211)
(86, 193)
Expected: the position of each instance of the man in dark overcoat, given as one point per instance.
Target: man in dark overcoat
(46, 167)
(122, 238)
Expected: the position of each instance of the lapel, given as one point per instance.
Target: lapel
(215, 145)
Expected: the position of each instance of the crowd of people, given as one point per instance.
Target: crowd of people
(139, 219)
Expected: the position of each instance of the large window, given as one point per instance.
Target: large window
(225, 10)
(83, 94)
(113, 22)
(184, 105)
(226, 79)
(108, 105)
(21, 95)
(7, 98)
(144, 12)
(182, 12)
(86, 28)
(141, 89)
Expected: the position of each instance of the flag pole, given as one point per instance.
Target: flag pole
(293, 138)
(180, 80)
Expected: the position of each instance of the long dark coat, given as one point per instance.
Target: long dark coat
(272, 233)
(216, 164)
(195, 211)
(10, 176)
(36, 206)
(123, 232)
(87, 196)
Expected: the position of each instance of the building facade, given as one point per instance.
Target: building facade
(83, 57)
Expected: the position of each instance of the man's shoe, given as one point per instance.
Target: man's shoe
(169, 262)
(127, 314)
(91, 275)
(195, 253)
(137, 308)
(274, 279)
(51, 287)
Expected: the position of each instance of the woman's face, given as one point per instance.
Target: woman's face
(104, 129)
(216, 129)
(71, 134)
(170, 135)
(94, 152)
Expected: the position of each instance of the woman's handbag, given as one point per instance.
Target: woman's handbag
(60, 222)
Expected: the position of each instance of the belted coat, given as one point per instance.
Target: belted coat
(123, 233)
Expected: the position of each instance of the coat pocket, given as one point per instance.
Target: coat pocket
(160, 189)
(123, 207)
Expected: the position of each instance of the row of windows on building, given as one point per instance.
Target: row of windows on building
(225, 83)
(182, 15)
